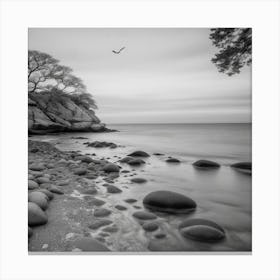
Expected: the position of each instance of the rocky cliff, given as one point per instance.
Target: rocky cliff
(48, 112)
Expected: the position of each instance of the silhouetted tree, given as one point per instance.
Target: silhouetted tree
(235, 48)
(46, 75)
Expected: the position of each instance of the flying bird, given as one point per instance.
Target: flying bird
(118, 52)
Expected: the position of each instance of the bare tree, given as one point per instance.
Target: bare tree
(45, 74)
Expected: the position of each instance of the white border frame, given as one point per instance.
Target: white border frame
(17, 16)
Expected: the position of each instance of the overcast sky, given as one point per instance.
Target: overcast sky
(162, 76)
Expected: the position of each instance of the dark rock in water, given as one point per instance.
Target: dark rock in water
(125, 171)
(113, 146)
(173, 160)
(158, 154)
(42, 180)
(39, 198)
(202, 233)
(120, 207)
(88, 244)
(36, 216)
(111, 167)
(138, 180)
(34, 150)
(95, 202)
(113, 189)
(246, 166)
(126, 159)
(101, 144)
(150, 226)
(46, 192)
(80, 171)
(55, 189)
(90, 191)
(136, 162)
(100, 223)
(139, 154)
(32, 185)
(160, 235)
(204, 222)
(30, 232)
(170, 202)
(101, 212)
(206, 164)
(81, 138)
(37, 167)
(142, 215)
(130, 200)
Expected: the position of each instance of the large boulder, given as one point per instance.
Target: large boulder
(36, 216)
(206, 164)
(139, 154)
(170, 202)
(39, 198)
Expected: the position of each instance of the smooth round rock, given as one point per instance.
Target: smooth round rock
(126, 159)
(42, 180)
(39, 198)
(111, 167)
(120, 207)
(142, 215)
(139, 154)
(202, 233)
(206, 164)
(46, 192)
(173, 160)
(96, 202)
(130, 200)
(113, 189)
(37, 167)
(204, 222)
(32, 185)
(136, 162)
(36, 216)
(88, 244)
(150, 226)
(102, 212)
(170, 202)
(55, 189)
(80, 171)
(244, 167)
(138, 180)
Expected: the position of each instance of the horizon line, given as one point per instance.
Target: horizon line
(186, 123)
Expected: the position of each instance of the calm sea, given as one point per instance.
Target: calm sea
(223, 196)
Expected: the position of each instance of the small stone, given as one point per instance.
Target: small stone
(111, 167)
(32, 185)
(126, 159)
(160, 235)
(139, 154)
(39, 198)
(138, 180)
(111, 229)
(56, 190)
(30, 232)
(36, 216)
(113, 189)
(150, 226)
(173, 160)
(136, 162)
(142, 215)
(80, 171)
(47, 193)
(42, 180)
(130, 200)
(101, 212)
(120, 207)
(96, 202)
(90, 191)
(37, 166)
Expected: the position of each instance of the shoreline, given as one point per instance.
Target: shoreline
(85, 188)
